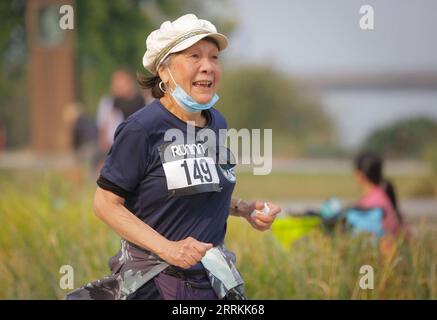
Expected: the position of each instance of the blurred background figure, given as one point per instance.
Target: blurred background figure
(127, 97)
(377, 191)
(108, 118)
(84, 135)
(124, 100)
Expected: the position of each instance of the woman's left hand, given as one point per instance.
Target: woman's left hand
(260, 220)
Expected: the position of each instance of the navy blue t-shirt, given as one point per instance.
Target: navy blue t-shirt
(177, 196)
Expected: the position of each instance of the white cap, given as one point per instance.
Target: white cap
(177, 36)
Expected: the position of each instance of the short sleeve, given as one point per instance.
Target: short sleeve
(128, 159)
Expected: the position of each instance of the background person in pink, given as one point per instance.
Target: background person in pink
(377, 191)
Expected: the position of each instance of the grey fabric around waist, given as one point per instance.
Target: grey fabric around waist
(132, 267)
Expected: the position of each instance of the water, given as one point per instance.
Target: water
(356, 113)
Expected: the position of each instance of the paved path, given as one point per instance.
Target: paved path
(341, 166)
(413, 209)
(29, 160)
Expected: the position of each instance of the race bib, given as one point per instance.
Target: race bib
(188, 169)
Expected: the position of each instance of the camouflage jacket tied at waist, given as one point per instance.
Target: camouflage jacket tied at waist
(132, 267)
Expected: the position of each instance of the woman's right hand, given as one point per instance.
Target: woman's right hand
(185, 253)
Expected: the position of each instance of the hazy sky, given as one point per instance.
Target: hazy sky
(324, 36)
(317, 36)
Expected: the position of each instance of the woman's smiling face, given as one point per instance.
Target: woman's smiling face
(196, 69)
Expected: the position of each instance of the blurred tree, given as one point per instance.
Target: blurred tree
(261, 97)
(13, 82)
(405, 138)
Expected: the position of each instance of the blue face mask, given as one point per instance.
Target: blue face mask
(187, 102)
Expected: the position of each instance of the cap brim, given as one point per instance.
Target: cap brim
(221, 39)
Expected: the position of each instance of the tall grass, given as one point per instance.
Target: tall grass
(47, 222)
(319, 266)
